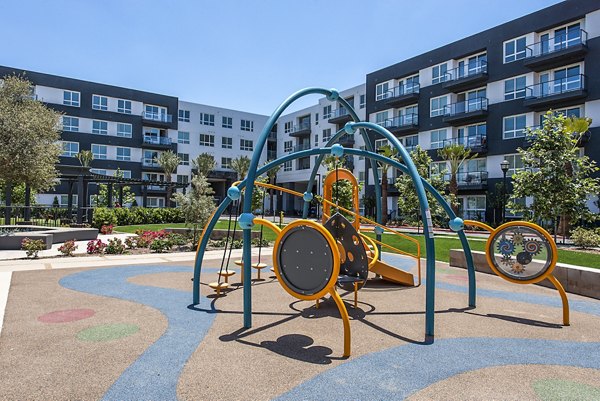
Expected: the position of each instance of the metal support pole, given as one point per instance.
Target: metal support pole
(27, 202)
(80, 199)
(109, 194)
(8, 202)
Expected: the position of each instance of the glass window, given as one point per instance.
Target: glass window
(247, 125)
(99, 102)
(64, 199)
(326, 135)
(126, 173)
(514, 126)
(474, 207)
(438, 168)
(99, 151)
(363, 101)
(183, 137)
(124, 154)
(515, 163)
(438, 73)
(183, 179)
(207, 140)
(287, 166)
(155, 202)
(99, 127)
(207, 119)
(185, 159)
(226, 142)
(287, 127)
(514, 50)
(514, 88)
(327, 112)
(124, 130)
(382, 91)
(227, 122)
(70, 149)
(71, 98)
(124, 106)
(184, 116)
(70, 124)
(410, 142)
(438, 106)
(246, 144)
(225, 162)
(438, 138)
(381, 117)
(288, 146)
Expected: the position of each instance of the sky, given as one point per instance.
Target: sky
(244, 55)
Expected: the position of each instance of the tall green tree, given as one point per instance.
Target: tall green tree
(85, 157)
(197, 204)
(241, 165)
(341, 191)
(168, 161)
(555, 175)
(204, 163)
(29, 137)
(128, 195)
(456, 154)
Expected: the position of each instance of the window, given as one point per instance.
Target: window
(99, 171)
(124, 154)
(247, 125)
(126, 173)
(410, 142)
(246, 144)
(99, 151)
(362, 147)
(316, 141)
(207, 119)
(99, 127)
(438, 137)
(327, 112)
(71, 98)
(316, 118)
(227, 122)
(287, 166)
(412, 84)
(183, 179)
(474, 208)
(437, 168)
(438, 73)
(64, 199)
(381, 117)
(514, 126)
(124, 106)
(379, 143)
(184, 116)
(438, 106)
(183, 137)
(124, 130)
(70, 149)
(514, 88)
(382, 91)
(514, 50)
(99, 102)
(70, 124)
(472, 135)
(326, 135)
(363, 101)
(287, 127)
(361, 177)
(570, 112)
(207, 140)
(155, 202)
(515, 163)
(227, 142)
(225, 162)
(185, 159)
(563, 37)
(288, 146)
(155, 113)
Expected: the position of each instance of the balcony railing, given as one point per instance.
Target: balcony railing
(303, 126)
(156, 188)
(157, 140)
(557, 43)
(161, 117)
(301, 147)
(473, 142)
(468, 106)
(402, 90)
(472, 178)
(405, 120)
(150, 162)
(556, 87)
(346, 138)
(341, 112)
(467, 70)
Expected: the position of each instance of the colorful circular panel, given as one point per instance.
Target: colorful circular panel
(521, 252)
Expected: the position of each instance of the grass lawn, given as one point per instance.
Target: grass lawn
(443, 246)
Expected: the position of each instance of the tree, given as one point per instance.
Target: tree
(341, 191)
(198, 204)
(554, 174)
(29, 137)
(102, 199)
(241, 165)
(85, 157)
(456, 154)
(408, 202)
(204, 163)
(168, 161)
(391, 153)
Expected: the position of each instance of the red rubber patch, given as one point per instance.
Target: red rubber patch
(66, 316)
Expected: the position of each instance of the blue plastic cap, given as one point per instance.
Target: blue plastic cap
(308, 196)
(337, 150)
(335, 95)
(349, 128)
(378, 230)
(246, 221)
(233, 193)
(456, 224)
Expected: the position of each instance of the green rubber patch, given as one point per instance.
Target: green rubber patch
(107, 332)
(555, 390)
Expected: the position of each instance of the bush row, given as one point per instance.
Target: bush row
(136, 215)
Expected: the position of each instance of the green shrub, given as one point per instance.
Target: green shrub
(33, 246)
(178, 240)
(135, 216)
(68, 248)
(131, 242)
(585, 238)
(115, 247)
(160, 245)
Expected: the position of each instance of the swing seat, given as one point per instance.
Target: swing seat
(258, 267)
(226, 274)
(218, 287)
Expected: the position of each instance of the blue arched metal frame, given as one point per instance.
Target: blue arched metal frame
(420, 182)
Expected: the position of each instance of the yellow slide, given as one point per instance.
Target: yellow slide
(391, 273)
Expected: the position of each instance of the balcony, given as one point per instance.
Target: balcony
(300, 130)
(477, 143)
(303, 164)
(339, 116)
(156, 188)
(403, 95)
(556, 93)
(301, 147)
(470, 180)
(467, 111)
(557, 51)
(150, 164)
(346, 140)
(403, 124)
(272, 136)
(271, 154)
(161, 119)
(466, 77)
(157, 142)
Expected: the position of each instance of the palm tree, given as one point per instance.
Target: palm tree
(168, 161)
(241, 165)
(389, 152)
(204, 163)
(456, 154)
(85, 157)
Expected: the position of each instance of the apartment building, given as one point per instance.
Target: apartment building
(483, 91)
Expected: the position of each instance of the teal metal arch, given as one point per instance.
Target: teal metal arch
(323, 151)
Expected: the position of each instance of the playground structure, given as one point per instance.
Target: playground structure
(310, 259)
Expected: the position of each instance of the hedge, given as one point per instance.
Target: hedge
(135, 215)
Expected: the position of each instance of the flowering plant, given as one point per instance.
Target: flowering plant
(68, 248)
(95, 246)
